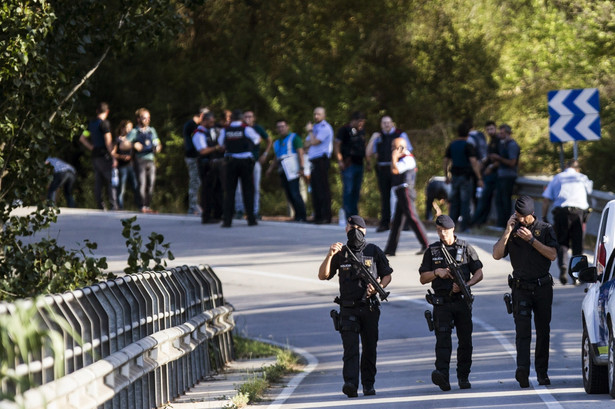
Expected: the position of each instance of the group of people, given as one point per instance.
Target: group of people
(478, 169)
(531, 245)
(126, 159)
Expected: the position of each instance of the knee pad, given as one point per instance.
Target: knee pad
(350, 323)
(523, 308)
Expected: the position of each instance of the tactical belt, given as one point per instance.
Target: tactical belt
(529, 285)
(443, 298)
(372, 302)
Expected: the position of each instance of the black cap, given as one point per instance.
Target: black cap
(524, 205)
(445, 222)
(357, 221)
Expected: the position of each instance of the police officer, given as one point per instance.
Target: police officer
(450, 310)
(359, 308)
(238, 141)
(403, 175)
(532, 246)
(204, 140)
(568, 192)
(380, 146)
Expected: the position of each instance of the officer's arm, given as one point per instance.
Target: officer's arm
(548, 252)
(386, 280)
(428, 276)
(337, 151)
(476, 167)
(325, 267)
(476, 277)
(499, 248)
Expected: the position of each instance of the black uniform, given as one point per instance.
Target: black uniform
(450, 310)
(358, 316)
(210, 172)
(236, 141)
(532, 290)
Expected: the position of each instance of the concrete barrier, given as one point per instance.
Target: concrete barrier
(145, 339)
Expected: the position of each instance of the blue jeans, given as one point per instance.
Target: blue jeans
(128, 175)
(461, 194)
(481, 214)
(352, 178)
(66, 180)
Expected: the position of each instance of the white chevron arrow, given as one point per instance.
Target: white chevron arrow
(582, 101)
(583, 127)
(557, 105)
(557, 128)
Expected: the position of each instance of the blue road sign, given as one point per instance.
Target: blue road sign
(574, 115)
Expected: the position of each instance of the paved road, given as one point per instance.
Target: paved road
(269, 275)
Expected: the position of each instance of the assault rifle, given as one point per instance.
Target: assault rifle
(458, 278)
(366, 275)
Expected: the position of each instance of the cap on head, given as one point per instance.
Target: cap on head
(524, 205)
(445, 222)
(356, 221)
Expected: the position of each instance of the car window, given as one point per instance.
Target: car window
(601, 250)
(608, 271)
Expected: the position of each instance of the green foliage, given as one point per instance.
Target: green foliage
(28, 269)
(139, 257)
(23, 337)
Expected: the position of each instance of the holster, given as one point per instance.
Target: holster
(508, 302)
(335, 316)
(429, 319)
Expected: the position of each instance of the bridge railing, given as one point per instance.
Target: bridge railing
(145, 339)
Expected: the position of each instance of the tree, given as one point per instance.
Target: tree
(50, 51)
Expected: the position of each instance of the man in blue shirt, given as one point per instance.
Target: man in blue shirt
(319, 145)
(288, 151)
(568, 193)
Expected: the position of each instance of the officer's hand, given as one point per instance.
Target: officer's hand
(511, 222)
(335, 248)
(524, 233)
(456, 288)
(370, 290)
(443, 273)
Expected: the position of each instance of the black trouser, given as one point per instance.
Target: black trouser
(210, 172)
(359, 322)
(321, 192)
(539, 301)
(102, 177)
(383, 173)
(405, 211)
(236, 169)
(568, 226)
(446, 316)
(293, 195)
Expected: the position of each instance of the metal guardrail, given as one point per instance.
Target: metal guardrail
(533, 186)
(146, 339)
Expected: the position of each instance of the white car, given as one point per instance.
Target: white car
(598, 308)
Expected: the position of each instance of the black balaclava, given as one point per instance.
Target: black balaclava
(356, 240)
